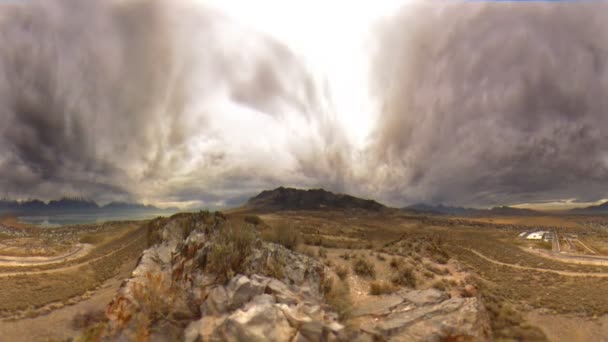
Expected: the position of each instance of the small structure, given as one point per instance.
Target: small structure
(539, 235)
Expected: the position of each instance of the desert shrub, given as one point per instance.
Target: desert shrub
(92, 239)
(345, 256)
(437, 270)
(440, 285)
(441, 259)
(377, 288)
(154, 297)
(284, 235)
(306, 250)
(322, 252)
(404, 277)
(154, 231)
(92, 333)
(253, 219)
(395, 263)
(364, 268)
(380, 257)
(337, 295)
(187, 225)
(233, 245)
(507, 323)
(313, 240)
(87, 319)
(275, 268)
(342, 272)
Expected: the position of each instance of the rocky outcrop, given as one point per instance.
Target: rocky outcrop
(274, 295)
(428, 315)
(277, 296)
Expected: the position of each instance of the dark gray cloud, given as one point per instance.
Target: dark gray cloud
(146, 100)
(487, 103)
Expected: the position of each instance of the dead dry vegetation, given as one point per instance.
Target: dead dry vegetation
(406, 254)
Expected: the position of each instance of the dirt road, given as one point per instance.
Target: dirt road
(564, 273)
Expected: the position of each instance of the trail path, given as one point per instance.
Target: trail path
(564, 273)
(70, 267)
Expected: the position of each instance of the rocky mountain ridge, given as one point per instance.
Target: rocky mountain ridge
(193, 285)
(314, 199)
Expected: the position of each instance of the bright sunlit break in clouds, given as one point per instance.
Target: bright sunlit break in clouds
(204, 103)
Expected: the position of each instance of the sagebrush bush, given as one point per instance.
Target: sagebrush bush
(405, 277)
(364, 268)
(337, 295)
(322, 252)
(283, 235)
(231, 248)
(341, 272)
(253, 219)
(377, 288)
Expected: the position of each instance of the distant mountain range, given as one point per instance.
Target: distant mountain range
(315, 199)
(461, 211)
(593, 210)
(74, 205)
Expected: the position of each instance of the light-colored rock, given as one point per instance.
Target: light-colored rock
(264, 322)
(217, 301)
(425, 297)
(241, 289)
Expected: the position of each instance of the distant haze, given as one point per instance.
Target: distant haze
(205, 103)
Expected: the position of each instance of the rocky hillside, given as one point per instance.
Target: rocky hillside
(296, 199)
(206, 278)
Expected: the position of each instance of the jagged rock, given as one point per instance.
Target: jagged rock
(455, 317)
(217, 302)
(259, 322)
(242, 289)
(172, 291)
(425, 297)
(377, 306)
(171, 277)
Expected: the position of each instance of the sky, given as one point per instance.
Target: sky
(204, 103)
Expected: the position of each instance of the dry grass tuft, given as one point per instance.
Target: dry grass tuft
(377, 288)
(364, 268)
(232, 246)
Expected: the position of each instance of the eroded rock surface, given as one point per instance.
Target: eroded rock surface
(275, 296)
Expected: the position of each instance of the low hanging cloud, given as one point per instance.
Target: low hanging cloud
(488, 103)
(165, 102)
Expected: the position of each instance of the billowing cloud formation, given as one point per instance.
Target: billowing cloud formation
(487, 103)
(154, 101)
(172, 102)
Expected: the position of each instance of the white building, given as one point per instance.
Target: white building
(536, 235)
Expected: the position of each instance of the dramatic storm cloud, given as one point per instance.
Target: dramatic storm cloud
(200, 103)
(487, 103)
(153, 101)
